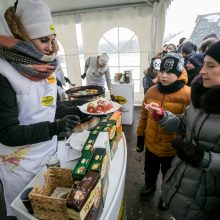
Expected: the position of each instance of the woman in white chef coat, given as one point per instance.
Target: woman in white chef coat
(28, 88)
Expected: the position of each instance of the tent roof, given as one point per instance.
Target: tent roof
(76, 5)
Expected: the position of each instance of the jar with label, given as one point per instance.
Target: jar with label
(53, 161)
(122, 79)
(117, 77)
(127, 76)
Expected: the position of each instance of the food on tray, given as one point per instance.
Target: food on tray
(100, 106)
(91, 107)
(87, 92)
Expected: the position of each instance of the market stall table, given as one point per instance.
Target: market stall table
(115, 192)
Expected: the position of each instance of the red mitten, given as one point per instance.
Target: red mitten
(158, 116)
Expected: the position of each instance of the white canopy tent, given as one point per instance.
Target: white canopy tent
(146, 18)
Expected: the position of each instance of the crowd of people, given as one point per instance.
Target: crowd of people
(192, 54)
(179, 129)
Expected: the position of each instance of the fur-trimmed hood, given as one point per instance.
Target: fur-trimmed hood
(203, 98)
(207, 43)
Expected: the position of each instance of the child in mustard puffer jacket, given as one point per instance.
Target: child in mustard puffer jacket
(172, 94)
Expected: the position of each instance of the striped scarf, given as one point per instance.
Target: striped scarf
(26, 59)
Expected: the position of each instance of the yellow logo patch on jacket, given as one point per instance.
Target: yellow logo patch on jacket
(51, 79)
(47, 100)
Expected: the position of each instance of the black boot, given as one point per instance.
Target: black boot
(147, 189)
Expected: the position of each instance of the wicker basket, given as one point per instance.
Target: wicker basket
(47, 207)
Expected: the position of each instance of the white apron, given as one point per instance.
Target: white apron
(94, 74)
(36, 103)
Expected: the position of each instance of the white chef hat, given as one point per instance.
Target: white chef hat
(36, 18)
(103, 59)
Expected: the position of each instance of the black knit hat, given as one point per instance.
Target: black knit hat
(188, 47)
(214, 51)
(197, 59)
(169, 64)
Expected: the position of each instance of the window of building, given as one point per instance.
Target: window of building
(80, 50)
(123, 49)
(62, 62)
(62, 59)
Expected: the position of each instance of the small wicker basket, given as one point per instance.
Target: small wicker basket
(45, 206)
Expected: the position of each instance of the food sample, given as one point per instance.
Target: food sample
(91, 107)
(86, 92)
(100, 106)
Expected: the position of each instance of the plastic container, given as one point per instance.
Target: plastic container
(53, 161)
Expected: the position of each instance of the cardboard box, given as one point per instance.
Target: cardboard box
(99, 163)
(113, 146)
(96, 130)
(110, 127)
(105, 118)
(82, 166)
(102, 141)
(88, 146)
(95, 212)
(104, 187)
(84, 197)
(119, 133)
(117, 116)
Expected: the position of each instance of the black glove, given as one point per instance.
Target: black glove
(140, 144)
(67, 123)
(178, 142)
(113, 98)
(67, 80)
(63, 110)
(83, 76)
(188, 152)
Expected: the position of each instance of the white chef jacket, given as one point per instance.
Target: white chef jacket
(36, 103)
(96, 75)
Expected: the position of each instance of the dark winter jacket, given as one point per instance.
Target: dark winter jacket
(193, 193)
(192, 74)
(148, 78)
(13, 134)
